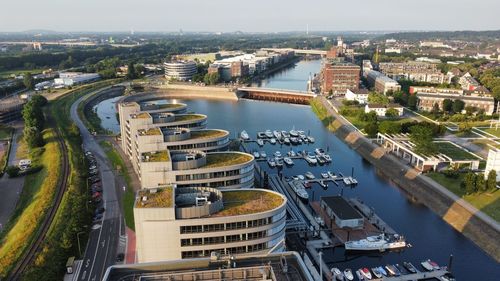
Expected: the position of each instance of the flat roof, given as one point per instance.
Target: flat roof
(157, 156)
(297, 270)
(188, 117)
(251, 201)
(341, 207)
(209, 133)
(155, 198)
(220, 159)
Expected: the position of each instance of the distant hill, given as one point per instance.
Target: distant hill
(444, 35)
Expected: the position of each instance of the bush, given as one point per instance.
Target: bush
(389, 127)
(451, 173)
(12, 171)
(350, 102)
(371, 129)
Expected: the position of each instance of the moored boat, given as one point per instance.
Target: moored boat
(311, 139)
(294, 133)
(310, 175)
(271, 162)
(331, 174)
(348, 274)
(376, 243)
(263, 154)
(382, 270)
(327, 157)
(260, 142)
(311, 159)
(244, 135)
(299, 190)
(366, 273)
(256, 155)
(324, 175)
(277, 154)
(337, 274)
(392, 270)
(410, 267)
(286, 141)
(279, 162)
(376, 272)
(276, 134)
(288, 161)
(435, 266)
(285, 134)
(268, 133)
(427, 266)
(323, 184)
(291, 153)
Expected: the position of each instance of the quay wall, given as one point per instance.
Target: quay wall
(484, 232)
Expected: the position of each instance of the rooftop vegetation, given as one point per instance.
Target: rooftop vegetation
(226, 159)
(188, 117)
(244, 202)
(205, 134)
(143, 115)
(162, 198)
(454, 152)
(157, 156)
(151, 132)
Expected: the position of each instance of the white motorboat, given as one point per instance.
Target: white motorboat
(359, 274)
(291, 153)
(256, 155)
(365, 272)
(324, 175)
(288, 161)
(392, 270)
(277, 154)
(277, 134)
(286, 141)
(347, 181)
(435, 266)
(353, 180)
(263, 154)
(294, 133)
(311, 139)
(376, 272)
(261, 135)
(279, 162)
(330, 173)
(382, 270)
(268, 133)
(244, 135)
(319, 151)
(260, 142)
(310, 175)
(301, 177)
(327, 157)
(271, 162)
(348, 274)
(311, 159)
(323, 184)
(299, 189)
(337, 274)
(410, 267)
(376, 243)
(272, 141)
(427, 266)
(285, 134)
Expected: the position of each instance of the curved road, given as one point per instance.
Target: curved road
(102, 246)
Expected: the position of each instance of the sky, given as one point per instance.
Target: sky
(249, 15)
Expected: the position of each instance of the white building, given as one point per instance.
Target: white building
(381, 109)
(393, 51)
(180, 70)
(195, 222)
(75, 78)
(493, 162)
(360, 96)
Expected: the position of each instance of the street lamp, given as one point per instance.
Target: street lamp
(320, 265)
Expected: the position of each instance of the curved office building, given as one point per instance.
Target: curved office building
(182, 223)
(180, 70)
(222, 170)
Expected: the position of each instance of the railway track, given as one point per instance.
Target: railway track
(33, 249)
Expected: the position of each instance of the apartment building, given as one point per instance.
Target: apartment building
(468, 82)
(416, 71)
(427, 100)
(382, 83)
(196, 222)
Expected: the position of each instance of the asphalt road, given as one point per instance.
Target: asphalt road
(102, 246)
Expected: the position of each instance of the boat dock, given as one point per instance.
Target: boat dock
(415, 276)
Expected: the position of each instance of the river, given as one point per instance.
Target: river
(430, 236)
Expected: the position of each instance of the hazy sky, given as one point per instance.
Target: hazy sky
(250, 15)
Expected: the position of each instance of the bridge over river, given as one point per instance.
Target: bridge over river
(276, 95)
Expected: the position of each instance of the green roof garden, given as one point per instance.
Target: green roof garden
(205, 134)
(143, 115)
(189, 117)
(150, 132)
(170, 105)
(162, 198)
(226, 159)
(245, 202)
(157, 156)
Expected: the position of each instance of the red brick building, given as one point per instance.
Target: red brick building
(339, 77)
(239, 69)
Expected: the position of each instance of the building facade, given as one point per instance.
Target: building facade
(338, 77)
(415, 71)
(180, 70)
(426, 101)
(184, 223)
(382, 83)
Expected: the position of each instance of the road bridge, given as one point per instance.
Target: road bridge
(298, 51)
(276, 95)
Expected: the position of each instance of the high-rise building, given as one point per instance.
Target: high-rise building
(338, 77)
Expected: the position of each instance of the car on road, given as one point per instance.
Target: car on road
(99, 210)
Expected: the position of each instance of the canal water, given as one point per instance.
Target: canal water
(430, 236)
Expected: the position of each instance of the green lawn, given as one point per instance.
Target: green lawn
(5, 132)
(493, 131)
(454, 152)
(129, 196)
(488, 202)
(8, 73)
(226, 159)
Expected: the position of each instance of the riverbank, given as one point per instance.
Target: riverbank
(475, 225)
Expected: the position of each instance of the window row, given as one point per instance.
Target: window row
(227, 226)
(228, 251)
(223, 239)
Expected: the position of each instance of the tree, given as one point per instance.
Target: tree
(470, 109)
(412, 101)
(458, 106)
(389, 127)
(491, 182)
(481, 183)
(131, 72)
(211, 78)
(422, 137)
(447, 105)
(33, 137)
(38, 100)
(435, 108)
(391, 112)
(469, 183)
(33, 115)
(12, 171)
(377, 98)
(28, 81)
(371, 129)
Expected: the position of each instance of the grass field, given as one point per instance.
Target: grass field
(129, 196)
(493, 131)
(322, 113)
(454, 152)
(8, 73)
(488, 202)
(38, 193)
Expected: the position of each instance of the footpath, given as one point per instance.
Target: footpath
(465, 218)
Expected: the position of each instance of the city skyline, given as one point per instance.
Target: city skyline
(260, 16)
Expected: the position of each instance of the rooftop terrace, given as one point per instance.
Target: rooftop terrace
(142, 115)
(226, 159)
(205, 134)
(162, 198)
(157, 156)
(150, 132)
(245, 202)
(188, 117)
